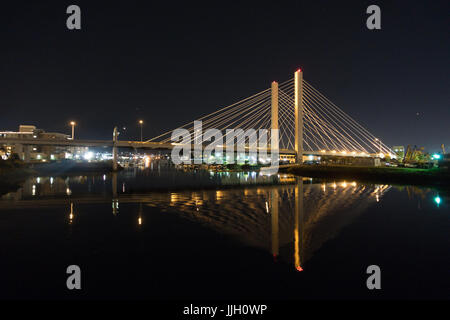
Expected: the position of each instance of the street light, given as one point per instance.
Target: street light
(72, 123)
(141, 122)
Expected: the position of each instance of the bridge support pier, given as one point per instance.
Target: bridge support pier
(298, 102)
(26, 153)
(18, 149)
(114, 150)
(23, 151)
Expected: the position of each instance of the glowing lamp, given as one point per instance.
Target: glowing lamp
(436, 156)
(437, 199)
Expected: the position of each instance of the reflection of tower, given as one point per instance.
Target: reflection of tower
(298, 229)
(115, 199)
(274, 207)
(71, 213)
(140, 214)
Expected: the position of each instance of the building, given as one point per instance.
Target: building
(38, 152)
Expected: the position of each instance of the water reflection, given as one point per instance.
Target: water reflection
(115, 198)
(298, 226)
(290, 220)
(71, 216)
(302, 217)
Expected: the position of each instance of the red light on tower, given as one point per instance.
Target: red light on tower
(299, 70)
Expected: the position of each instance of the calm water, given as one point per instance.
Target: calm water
(143, 234)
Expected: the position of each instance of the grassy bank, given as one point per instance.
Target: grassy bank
(425, 177)
(13, 173)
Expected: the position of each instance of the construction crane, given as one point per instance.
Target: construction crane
(416, 157)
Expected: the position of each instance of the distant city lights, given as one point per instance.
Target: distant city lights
(436, 156)
(88, 155)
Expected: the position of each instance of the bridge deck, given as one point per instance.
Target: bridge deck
(145, 145)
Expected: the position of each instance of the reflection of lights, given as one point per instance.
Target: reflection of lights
(104, 177)
(437, 199)
(174, 197)
(115, 206)
(38, 180)
(71, 213)
(140, 221)
(68, 191)
(147, 161)
(33, 190)
(377, 197)
(51, 180)
(267, 207)
(324, 187)
(299, 268)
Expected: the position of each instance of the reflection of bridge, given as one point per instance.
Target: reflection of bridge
(308, 124)
(290, 220)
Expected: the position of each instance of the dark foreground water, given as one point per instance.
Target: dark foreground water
(236, 235)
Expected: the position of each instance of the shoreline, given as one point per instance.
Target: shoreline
(434, 177)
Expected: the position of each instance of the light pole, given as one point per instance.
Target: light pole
(141, 122)
(72, 123)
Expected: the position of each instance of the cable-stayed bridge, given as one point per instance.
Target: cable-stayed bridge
(307, 121)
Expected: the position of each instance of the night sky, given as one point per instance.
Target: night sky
(171, 64)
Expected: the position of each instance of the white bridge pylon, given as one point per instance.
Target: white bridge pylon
(308, 122)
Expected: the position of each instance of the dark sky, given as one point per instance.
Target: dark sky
(169, 64)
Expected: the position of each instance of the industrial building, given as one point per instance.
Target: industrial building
(38, 152)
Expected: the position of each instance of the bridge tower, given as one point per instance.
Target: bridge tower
(274, 118)
(114, 150)
(298, 102)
